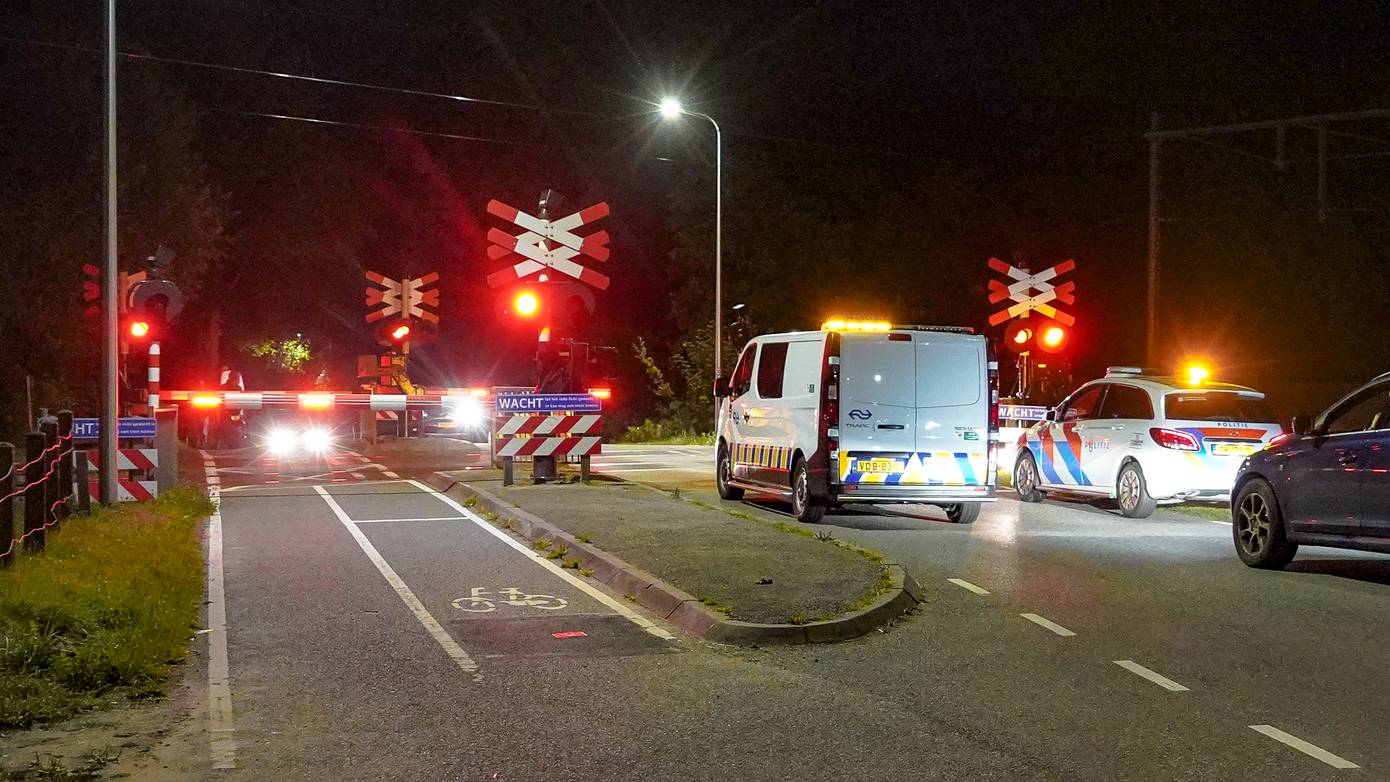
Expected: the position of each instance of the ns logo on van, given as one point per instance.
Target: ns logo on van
(860, 415)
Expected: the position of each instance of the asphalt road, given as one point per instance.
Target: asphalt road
(358, 649)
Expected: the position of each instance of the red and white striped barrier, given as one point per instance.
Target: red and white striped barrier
(316, 400)
(547, 425)
(549, 446)
(127, 459)
(130, 490)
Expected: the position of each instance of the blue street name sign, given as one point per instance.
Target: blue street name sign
(548, 403)
(130, 428)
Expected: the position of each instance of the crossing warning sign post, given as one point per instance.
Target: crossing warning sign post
(547, 244)
(1024, 292)
(542, 427)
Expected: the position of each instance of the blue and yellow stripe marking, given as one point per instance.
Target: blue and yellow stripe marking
(767, 456)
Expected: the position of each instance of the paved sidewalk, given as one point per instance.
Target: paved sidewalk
(748, 568)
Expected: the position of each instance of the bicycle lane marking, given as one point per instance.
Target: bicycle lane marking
(573, 580)
(426, 619)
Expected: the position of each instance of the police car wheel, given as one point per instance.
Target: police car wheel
(1026, 478)
(1258, 527)
(724, 471)
(807, 509)
(962, 512)
(1133, 493)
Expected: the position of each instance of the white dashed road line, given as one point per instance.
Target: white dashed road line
(1050, 625)
(575, 581)
(221, 726)
(427, 620)
(1153, 676)
(966, 585)
(1303, 746)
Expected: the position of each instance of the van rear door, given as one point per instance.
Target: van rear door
(952, 400)
(878, 406)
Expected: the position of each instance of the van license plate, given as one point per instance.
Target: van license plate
(1232, 449)
(876, 465)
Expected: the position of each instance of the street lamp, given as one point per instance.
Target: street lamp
(672, 109)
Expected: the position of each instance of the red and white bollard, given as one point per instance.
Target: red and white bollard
(153, 378)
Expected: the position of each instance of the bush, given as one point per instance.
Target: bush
(664, 432)
(103, 612)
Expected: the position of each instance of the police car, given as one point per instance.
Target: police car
(861, 412)
(1142, 439)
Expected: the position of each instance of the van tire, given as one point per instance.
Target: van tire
(1132, 492)
(1027, 468)
(807, 508)
(962, 512)
(723, 473)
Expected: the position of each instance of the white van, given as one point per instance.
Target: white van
(861, 413)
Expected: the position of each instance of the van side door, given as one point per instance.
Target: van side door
(737, 410)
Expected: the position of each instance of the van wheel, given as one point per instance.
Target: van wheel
(1026, 478)
(807, 509)
(1133, 493)
(962, 512)
(723, 473)
(1259, 527)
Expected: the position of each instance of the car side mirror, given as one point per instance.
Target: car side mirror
(721, 386)
(1301, 424)
(1051, 414)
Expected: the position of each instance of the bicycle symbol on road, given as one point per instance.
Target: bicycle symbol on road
(480, 601)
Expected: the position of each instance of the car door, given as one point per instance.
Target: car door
(1372, 462)
(1126, 411)
(1323, 490)
(740, 402)
(1060, 440)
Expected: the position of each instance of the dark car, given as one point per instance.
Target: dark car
(1327, 483)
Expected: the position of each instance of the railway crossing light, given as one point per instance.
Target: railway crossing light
(526, 304)
(400, 332)
(139, 329)
(1018, 337)
(1053, 338)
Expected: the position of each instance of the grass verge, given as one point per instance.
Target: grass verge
(103, 612)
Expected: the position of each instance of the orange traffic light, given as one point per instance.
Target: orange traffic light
(400, 332)
(526, 304)
(139, 329)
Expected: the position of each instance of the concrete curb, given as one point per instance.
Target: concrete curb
(680, 608)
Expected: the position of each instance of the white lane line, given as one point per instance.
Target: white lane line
(427, 620)
(1153, 676)
(966, 585)
(648, 469)
(221, 725)
(420, 518)
(1050, 625)
(1303, 746)
(534, 556)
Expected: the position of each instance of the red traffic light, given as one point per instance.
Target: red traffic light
(400, 332)
(1053, 337)
(139, 329)
(526, 304)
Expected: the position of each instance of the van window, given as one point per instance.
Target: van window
(770, 370)
(949, 373)
(743, 373)
(1127, 402)
(877, 371)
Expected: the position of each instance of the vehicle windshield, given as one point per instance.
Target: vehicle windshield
(1218, 406)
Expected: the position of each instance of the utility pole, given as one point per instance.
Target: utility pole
(1151, 331)
(110, 386)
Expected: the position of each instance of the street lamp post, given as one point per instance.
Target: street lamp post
(672, 109)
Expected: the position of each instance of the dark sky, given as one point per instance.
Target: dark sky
(1047, 99)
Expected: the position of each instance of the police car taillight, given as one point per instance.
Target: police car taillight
(1174, 439)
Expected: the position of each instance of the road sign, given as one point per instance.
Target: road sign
(547, 403)
(545, 425)
(547, 244)
(129, 429)
(549, 446)
(1031, 292)
(406, 297)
